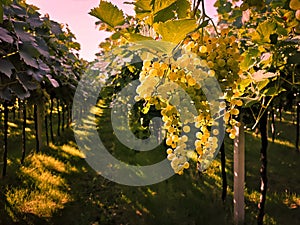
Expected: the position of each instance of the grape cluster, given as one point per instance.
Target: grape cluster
(175, 87)
(205, 65)
(222, 56)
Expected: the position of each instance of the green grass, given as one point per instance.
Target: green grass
(57, 186)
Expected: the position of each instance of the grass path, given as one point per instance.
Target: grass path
(58, 187)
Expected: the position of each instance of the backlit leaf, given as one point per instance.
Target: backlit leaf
(133, 37)
(162, 47)
(180, 7)
(175, 30)
(264, 31)
(109, 14)
(158, 5)
(142, 6)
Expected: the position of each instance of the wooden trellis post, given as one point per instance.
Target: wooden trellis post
(239, 175)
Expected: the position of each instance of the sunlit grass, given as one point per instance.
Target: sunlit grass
(71, 150)
(276, 141)
(292, 200)
(58, 185)
(36, 201)
(252, 195)
(40, 162)
(27, 129)
(43, 190)
(10, 124)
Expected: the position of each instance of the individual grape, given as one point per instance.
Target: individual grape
(234, 111)
(211, 73)
(186, 165)
(169, 151)
(203, 49)
(222, 105)
(156, 65)
(184, 138)
(239, 102)
(232, 136)
(215, 132)
(153, 72)
(147, 64)
(191, 82)
(175, 138)
(169, 141)
(186, 129)
(221, 62)
(199, 135)
(171, 156)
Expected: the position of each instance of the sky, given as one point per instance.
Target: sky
(75, 14)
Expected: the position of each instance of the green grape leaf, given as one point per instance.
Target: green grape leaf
(28, 59)
(164, 15)
(295, 4)
(5, 94)
(6, 67)
(146, 109)
(264, 31)
(35, 75)
(53, 82)
(43, 66)
(30, 49)
(282, 31)
(183, 8)
(273, 91)
(115, 36)
(141, 6)
(262, 84)
(6, 36)
(19, 90)
(225, 8)
(162, 47)
(175, 30)
(136, 37)
(294, 59)
(203, 24)
(26, 81)
(42, 47)
(247, 62)
(1, 12)
(105, 45)
(21, 33)
(109, 14)
(158, 5)
(55, 28)
(244, 84)
(34, 21)
(248, 102)
(180, 7)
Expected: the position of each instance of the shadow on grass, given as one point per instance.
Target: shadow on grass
(57, 186)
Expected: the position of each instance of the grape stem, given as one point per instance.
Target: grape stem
(202, 19)
(262, 110)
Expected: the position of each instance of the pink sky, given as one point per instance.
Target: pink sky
(75, 14)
